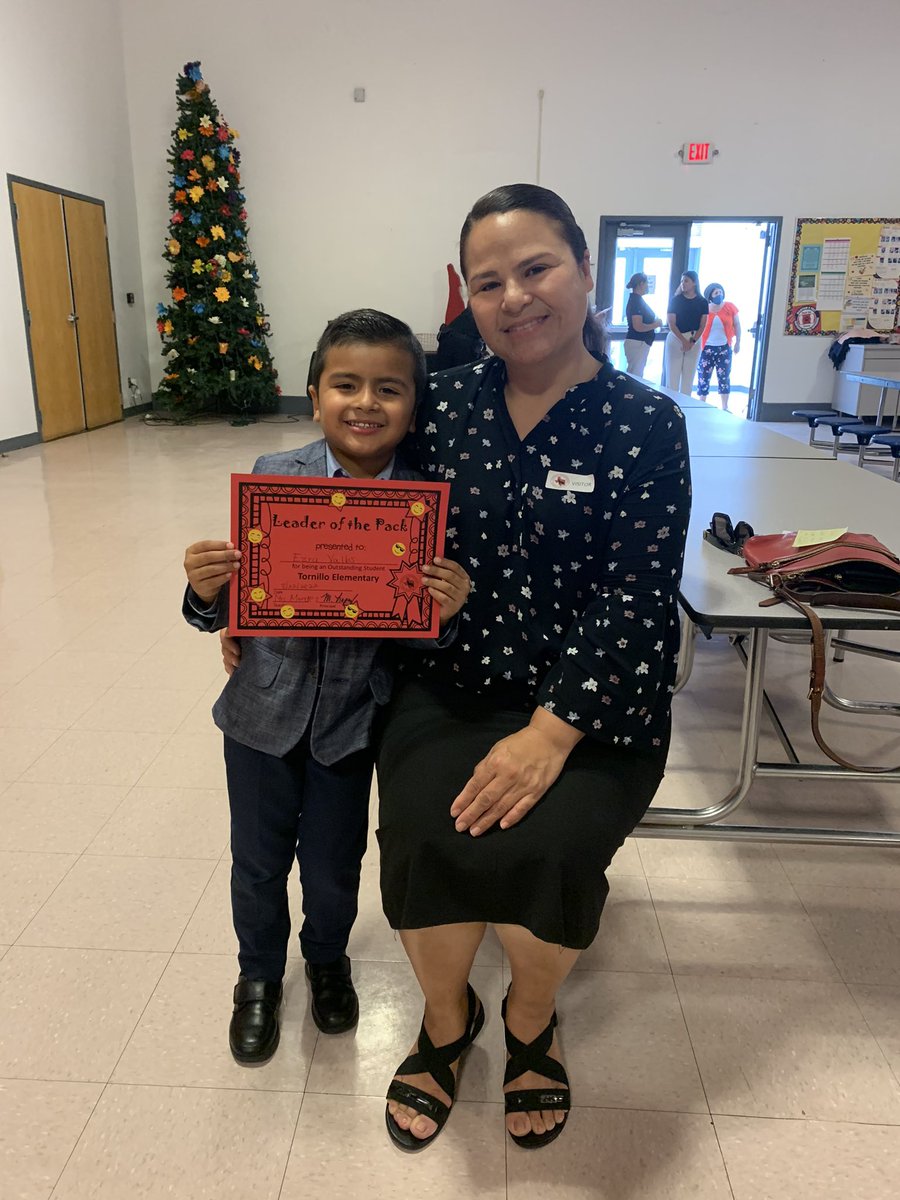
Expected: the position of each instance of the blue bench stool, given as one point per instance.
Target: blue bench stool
(863, 433)
(892, 441)
(811, 417)
(834, 421)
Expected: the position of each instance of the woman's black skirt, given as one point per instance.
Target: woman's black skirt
(548, 872)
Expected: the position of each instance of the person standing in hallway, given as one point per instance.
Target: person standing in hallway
(642, 324)
(687, 319)
(721, 339)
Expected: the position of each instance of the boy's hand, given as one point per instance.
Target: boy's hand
(449, 585)
(231, 651)
(209, 565)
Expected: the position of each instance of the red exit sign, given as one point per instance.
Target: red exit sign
(697, 152)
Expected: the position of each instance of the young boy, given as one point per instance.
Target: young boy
(297, 713)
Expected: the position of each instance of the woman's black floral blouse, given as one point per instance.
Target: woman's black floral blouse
(573, 538)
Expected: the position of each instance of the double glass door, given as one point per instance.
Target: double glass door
(738, 253)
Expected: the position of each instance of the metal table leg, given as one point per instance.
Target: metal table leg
(702, 823)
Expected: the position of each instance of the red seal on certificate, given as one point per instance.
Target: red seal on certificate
(323, 560)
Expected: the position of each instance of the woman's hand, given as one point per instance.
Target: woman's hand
(209, 566)
(515, 774)
(449, 585)
(231, 651)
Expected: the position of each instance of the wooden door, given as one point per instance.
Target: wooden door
(48, 297)
(92, 291)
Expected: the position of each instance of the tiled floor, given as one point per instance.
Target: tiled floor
(733, 1032)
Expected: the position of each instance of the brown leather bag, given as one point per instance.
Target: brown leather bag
(854, 570)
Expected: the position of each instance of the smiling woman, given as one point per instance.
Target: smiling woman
(515, 763)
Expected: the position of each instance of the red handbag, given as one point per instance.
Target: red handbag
(854, 570)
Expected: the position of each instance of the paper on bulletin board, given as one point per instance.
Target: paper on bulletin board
(805, 290)
(855, 312)
(859, 276)
(887, 260)
(830, 294)
(835, 254)
(882, 312)
(810, 258)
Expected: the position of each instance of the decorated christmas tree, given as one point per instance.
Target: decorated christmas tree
(213, 328)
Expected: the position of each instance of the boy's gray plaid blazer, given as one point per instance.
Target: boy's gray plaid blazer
(268, 700)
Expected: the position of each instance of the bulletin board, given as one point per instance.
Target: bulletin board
(845, 275)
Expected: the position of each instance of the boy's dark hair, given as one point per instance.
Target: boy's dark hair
(370, 327)
(512, 197)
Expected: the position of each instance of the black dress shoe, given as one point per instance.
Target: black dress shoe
(253, 1032)
(335, 1008)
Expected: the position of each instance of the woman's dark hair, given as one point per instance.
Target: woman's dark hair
(637, 277)
(692, 275)
(515, 197)
(708, 291)
(371, 328)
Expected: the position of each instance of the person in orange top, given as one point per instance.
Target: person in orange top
(721, 340)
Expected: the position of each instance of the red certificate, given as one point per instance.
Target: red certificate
(334, 557)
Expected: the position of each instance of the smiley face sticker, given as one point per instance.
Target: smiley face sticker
(399, 549)
(255, 536)
(257, 595)
(417, 508)
(351, 611)
(338, 499)
(287, 611)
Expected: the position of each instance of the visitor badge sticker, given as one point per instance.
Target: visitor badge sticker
(566, 481)
(328, 560)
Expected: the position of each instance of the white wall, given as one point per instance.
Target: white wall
(65, 123)
(355, 204)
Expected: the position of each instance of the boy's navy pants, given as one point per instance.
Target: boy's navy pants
(282, 807)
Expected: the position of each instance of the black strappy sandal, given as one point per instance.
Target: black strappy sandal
(533, 1056)
(435, 1061)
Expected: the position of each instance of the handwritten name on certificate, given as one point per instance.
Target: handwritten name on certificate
(334, 557)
